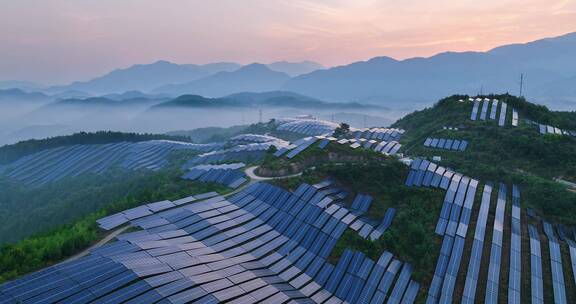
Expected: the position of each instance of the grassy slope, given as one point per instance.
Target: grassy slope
(513, 155)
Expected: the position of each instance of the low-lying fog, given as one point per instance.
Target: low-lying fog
(21, 121)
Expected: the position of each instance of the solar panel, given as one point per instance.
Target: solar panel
(493, 109)
(502, 118)
(474, 114)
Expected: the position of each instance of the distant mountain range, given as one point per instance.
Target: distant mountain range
(547, 63)
(18, 95)
(249, 78)
(548, 66)
(163, 75)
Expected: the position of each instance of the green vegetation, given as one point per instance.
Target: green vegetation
(25, 211)
(410, 240)
(11, 153)
(314, 156)
(518, 155)
(342, 130)
(218, 134)
(44, 249)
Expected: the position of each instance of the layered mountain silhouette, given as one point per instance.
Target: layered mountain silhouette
(147, 77)
(548, 66)
(250, 78)
(387, 81)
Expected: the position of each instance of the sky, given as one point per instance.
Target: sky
(59, 41)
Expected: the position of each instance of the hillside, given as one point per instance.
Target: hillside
(515, 154)
(10, 153)
(347, 205)
(273, 99)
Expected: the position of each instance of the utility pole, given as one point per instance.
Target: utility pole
(521, 83)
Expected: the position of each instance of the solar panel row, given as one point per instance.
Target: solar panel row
(424, 173)
(514, 276)
(475, 260)
(536, 277)
(242, 153)
(484, 109)
(306, 126)
(547, 129)
(514, 117)
(225, 174)
(446, 144)
(382, 134)
(572, 249)
(492, 283)
(307, 142)
(384, 225)
(494, 109)
(558, 283)
(361, 203)
(474, 114)
(453, 225)
(503, 110)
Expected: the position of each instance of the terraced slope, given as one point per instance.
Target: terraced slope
(69, 161)
(514, 154)
(263, 244)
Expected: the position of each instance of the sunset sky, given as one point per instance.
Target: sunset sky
(57, 41)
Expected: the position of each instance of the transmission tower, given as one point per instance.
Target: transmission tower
(521, 83)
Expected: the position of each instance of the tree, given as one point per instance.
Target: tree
(342, 130)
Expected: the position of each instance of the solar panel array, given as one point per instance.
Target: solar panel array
(246, 153)
(361, 203)
(69, 161)
(446, 144)
(480, 111)
(492, 283)
(301, 145)
(424, 173)
(306, 126)
(252, 138)
(475, 260)
(547, 129)
(453, 226)
(263, 244)
(384, 147)
(385, 134)
(558, 283)
(229, 175)
(536, 276)
(514, 276)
